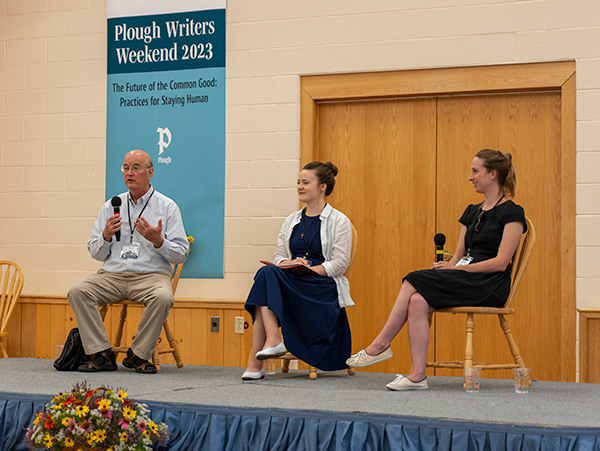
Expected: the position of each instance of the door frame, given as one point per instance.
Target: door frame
(558, 76)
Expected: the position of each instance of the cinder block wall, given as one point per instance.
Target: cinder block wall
(52, 113)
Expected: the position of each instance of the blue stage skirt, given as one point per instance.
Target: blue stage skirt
(315, 328)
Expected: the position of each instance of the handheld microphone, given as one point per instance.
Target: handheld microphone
(116, 203)
(439, 239)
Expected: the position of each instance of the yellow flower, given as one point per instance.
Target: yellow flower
(111, 448)
(100, 435)
(153, 426)
(58, 398)
(122, 395)
(38, 417)
(129, 413)
(82, 411)
(146, 433)
(91, 438)
(190, 239)
(104, 403)
(48, 440)
(124, 437)
(69, 442)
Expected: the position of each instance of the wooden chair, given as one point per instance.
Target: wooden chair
(173, 345)
(519, 263)
(11, 285)
(312, 371)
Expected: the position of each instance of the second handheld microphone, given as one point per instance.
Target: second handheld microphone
(439, 239)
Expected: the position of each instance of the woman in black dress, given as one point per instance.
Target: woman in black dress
(477, 275)
(307, 302)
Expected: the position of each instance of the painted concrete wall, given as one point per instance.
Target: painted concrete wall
(52, 113)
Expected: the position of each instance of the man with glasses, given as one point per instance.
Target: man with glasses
(138, 248)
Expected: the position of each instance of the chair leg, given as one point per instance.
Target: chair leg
(3, 352)
(120, 327)
(173, 344)
(351, 371)
(312, 372)
(156, 357)
(470, 326)
(285, 365)
(512, 344)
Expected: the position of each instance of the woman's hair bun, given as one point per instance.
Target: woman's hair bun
(332, 167)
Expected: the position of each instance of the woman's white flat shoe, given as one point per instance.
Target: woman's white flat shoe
(271, 353)
(253, 375)
(402, 383)
(361, 359)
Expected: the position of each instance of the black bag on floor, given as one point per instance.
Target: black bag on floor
(72, 354)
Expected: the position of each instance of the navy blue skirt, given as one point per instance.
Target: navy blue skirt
(314, 326)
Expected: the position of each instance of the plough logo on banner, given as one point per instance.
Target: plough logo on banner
(162, 144)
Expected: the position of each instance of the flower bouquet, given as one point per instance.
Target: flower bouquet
(95, 419)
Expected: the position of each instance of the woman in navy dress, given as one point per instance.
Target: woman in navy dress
(307, 302)
(477, 275)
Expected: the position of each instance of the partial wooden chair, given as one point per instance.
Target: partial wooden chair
(11, 285)
(312, 371)
(173, 344)
(519, 263)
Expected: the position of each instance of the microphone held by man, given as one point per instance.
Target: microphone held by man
(116, 204)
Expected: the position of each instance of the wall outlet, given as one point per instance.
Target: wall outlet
(215, 322)
(239, 324)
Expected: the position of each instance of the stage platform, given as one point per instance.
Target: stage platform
(211, 408)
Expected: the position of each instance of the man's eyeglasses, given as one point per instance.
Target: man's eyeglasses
(134, 168)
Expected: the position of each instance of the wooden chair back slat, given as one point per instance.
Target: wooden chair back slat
(175, 276)
(353, 249)
(11, 281)
(520, 260)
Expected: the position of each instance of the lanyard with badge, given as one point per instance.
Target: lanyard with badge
(468, 258)
(132, 250)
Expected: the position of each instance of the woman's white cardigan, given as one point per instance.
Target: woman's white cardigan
(336, 240)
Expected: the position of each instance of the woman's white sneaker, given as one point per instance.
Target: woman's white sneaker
(404, 383)
(361, 359)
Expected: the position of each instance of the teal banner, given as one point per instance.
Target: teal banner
(166, 96)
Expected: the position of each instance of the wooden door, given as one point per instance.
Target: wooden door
(402, 180)
(385, 152)
(528, 126)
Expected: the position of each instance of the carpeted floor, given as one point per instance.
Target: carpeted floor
(547, 403)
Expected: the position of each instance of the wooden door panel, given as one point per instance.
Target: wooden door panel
(528, 126)
(385, 152)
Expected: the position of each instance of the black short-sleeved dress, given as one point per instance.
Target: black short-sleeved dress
(454, 288)
(315, 328)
